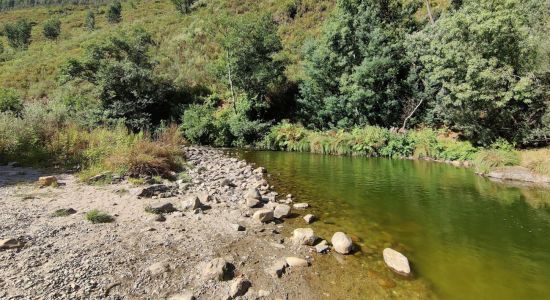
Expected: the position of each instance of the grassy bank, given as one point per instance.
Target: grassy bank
(427, 144)
(47, 136)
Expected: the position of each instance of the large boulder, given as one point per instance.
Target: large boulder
(277, 269)
(253, 194)
(252, 202)
(296, 262)
(218, 269)
(281, 211)
(154, 190)
(342, 243)
(10, 244)
(304, 236)
(263, 215)
(397, 262)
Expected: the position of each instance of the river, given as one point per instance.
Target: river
(466, 236)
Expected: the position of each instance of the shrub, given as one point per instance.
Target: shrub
(183, 6)
(52, 29)
(500, 154)
(89, 22)
(114, 13)
(198, 124)
(10, 101)
(95, 216)
(18, 33)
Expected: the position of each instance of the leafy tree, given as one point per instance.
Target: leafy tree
(114, 13)
(52, 29)
(18, 33)
(183, 6)
(10, 101)
(90, 21)
(357, 73)
(476, 71)
(247, 60)
(122, 72)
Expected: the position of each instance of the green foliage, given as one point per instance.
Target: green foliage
(122, 73)
(247, 61)
(95, 216)
(114, 13)
(198, 124)
(476, 71)
(356, 74)
(89, 22)
(10, 101)
(183, 6)
(18, 33)
(52, 29)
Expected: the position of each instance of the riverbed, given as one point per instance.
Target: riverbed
(466, 236)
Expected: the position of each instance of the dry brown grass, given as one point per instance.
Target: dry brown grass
(537, 160)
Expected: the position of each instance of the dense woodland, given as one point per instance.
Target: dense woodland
(395, 78)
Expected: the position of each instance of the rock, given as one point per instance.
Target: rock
(238, 227)
(322, 247)
(309, 218)
(98, 177)
(165, 208)
(277, 269)
(263, 215)
(10, 244)
(296, 262)
(157, 218)
(204, 197)
(263, 293)
(191, 203)
(304, 236)
(218, 269)
(63, 212)
(47, 181)
(342, 243)
(397, 262)
(260, 170)
(240, 287)
(253, 194)
(158, 268)
(252, 202)
(153, 190)
(281, 211)
(182, 296)
(301, 205)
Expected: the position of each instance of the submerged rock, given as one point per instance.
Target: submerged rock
(309, 218)
(397, 262)
(301, 205)
(342, 243)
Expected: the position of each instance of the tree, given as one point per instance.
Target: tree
(18, 33)
(475, 70)
(357, 73)
(183, 6)
(52, 29)
(89, 23)
(247, 60)
(114, 13)
(122, 72)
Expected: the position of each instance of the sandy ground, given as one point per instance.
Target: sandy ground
(71, 258)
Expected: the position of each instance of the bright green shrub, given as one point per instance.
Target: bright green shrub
(95, 216)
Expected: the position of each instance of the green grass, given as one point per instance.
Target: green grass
(95, 216)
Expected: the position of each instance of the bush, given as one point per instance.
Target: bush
(10, 101)
(18, 33)
(114, 13)
(89, 22)
(52, 29)
(500, 154)
(198, 124)
(183, 6)
(95, 216)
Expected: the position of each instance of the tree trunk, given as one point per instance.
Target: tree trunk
(230, 78)
(429, 8)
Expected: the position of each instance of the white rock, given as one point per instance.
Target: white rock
(304, 236)
(342, 243)
(277, 269)
(218, 269)
(301, 205)
(263, 215)
(182, 296)
(253, 194)
(397, 262)
(252, 202)
(263, 293)
(281, 211)
(240, 287)
(309, 218)
(296, 262)
(191, 203)
(158, 268)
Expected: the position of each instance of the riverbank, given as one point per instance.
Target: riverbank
(142, 255)
(499, 161)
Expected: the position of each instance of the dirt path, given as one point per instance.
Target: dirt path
(136, 257)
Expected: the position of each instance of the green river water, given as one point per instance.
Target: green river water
(466, 236)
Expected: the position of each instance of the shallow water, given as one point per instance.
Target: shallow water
(466, 237)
